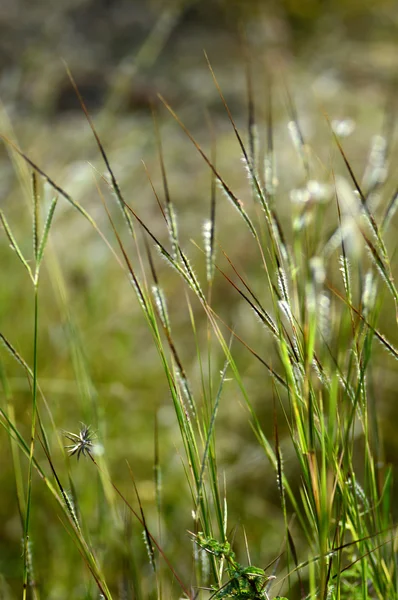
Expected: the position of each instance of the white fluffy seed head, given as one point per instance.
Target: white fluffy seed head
(314, 191)
(319, 192)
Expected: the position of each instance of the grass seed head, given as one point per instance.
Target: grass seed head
(82, 443)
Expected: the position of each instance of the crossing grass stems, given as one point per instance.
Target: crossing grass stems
(321, 313)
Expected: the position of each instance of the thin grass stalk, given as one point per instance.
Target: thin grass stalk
(32, 445)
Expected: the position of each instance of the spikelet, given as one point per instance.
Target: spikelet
(248, 168)
(137, 288)
(35, 221)
(254, 137)
(324, 315)
(184, 386)
(29, 564)
(283, 285)
(149, 549)
(295, 135)
(191, 276)
(376, 169)
(369, 293)
(345, 271)
(46, 230)
(173, 229)
(279, 480)
(208, 233)
(70, 505)
(270, 176)
(321, 374)
(161, 306)
(285, 308)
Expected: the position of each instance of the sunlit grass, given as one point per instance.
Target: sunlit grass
(320, 275)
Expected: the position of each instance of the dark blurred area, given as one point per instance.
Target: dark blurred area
(124, 49)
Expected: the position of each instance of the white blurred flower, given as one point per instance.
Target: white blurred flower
(320, 192)
(314, 191)
(343, 127)
(300, 196)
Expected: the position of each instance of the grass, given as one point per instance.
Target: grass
(304, 359)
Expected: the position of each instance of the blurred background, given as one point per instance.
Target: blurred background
(97, 362)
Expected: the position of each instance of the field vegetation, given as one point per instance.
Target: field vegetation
(199, 315)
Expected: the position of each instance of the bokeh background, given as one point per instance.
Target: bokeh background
(97, 362)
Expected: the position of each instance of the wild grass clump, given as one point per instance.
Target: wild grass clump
(320, 275)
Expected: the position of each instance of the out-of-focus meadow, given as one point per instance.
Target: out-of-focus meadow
(97, 362)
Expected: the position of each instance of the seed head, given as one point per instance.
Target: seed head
(82, 442)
